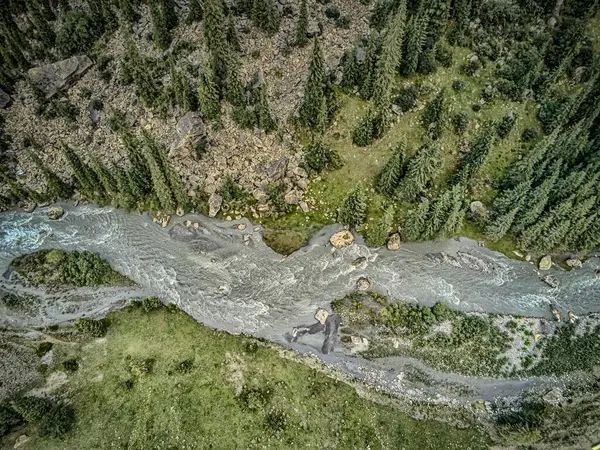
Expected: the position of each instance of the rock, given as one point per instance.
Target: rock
(574, 263)
(302, 184)
(321, 315)
(396, 109)
(313, 29)
(188, 223)
(557, 315)
(304, 207)
(359, 344)
(545, 263)
(276, 169)
(51, 78)
(478, 208)
(263, 207)
(394, 242)
(358, 261)
(4, 99)
(528, 257)
(293, 197)
(550, 281)
(341, 239)
(241, 226)
(363, 284)
(192, 136)
(21, 441)
(196, 225)
(573, 317)
(214, 204)
(554, 396)
(180, 212)
(518, 253)
(162, 219)
(56, 213)
(29, 207)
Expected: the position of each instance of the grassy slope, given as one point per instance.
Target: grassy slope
(362, 165)
(298, 407)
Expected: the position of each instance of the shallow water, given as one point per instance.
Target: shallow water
(229, 279)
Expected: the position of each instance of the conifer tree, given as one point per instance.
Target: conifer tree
(416, 33)
(420, 171)
(168, 10)
(160, 29)
(385, 70)
(55, 187)
(139, 173)
(390, 175)
(378, 235)
(125, 195)
(42, 26)
(314, 92)
(208, 94)
(507, 123)
(232, 34)
(440, 212)
(352, 72)
(476, 158)
(534, 204)
(457, 212)
(127, 10)
(433, 115)
(215, 34)
(354, 209)
(496, 230)
(160, 183)
(265, 15)
(414, 224)
(302, 25)
(84, 175)
(318, 155)
(590, 236)
(105, 177)
(538, 237)
(365, 130)
(512, 197)
(263, 114)
(582, 216)
(368, 68)
(235, 91)
(195, 12)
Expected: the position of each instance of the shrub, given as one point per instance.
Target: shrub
(76, 35)
(407, 98)
(230, 190)
(529, 134)
(43, 348)
(55, 256)
(459, 85)
(140, 367)
(460, 122)
(32, 409)
(70, 365)
(254, 399)
(506, 124)
(184, 366)
(443, 55)
(343, 22)
(92, 327)
(9, 418)
(332, 12)
(58, 420)
(276, 193)
(151, 303)
(276, 421)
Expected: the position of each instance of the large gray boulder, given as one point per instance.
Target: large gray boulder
(51, 78)
(4, 99)
(192, 137)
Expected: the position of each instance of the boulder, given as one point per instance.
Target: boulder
(21, 441)
(313, 29)
(363, 284)
(341, 239)
(192, 136)
(276, 170)
(359, 261)
(162, 219)
(29, 207)
(293, 197)
(394, 242)
(554, 396)
(550, 281)
(573, 318)
(557, 315)
(321, 315)
(304, 207)
(574, 263)
(56, 213)
(4, 99)
(51, 78)
(180, 212)
(545, 263)
(478, 208)
(214, 204)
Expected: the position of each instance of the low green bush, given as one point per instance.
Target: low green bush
(43, 348)
(92, 327)
(151, 303)
(9, 417)
(70, 365)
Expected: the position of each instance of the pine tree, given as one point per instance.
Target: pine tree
(378, 236)
(160, 29)
(208, 94)
(368, 68)
(507, 123)
(433, 115)
(42, 26)
(168, 10)
(84, 175)
(354, 209)
(235, 91)
(416, 34)
(457, 212)
(302, 25)
(440, 211)
(420, 171)
(390, 175)
(139, 172)
(232, 34)
(496, 231)
(264, 118)
(318, 155)
(265, 16)
(534, 204)
(352, 72)
(314, 92)
(195, 12)
(365, 130)
(160, 183)
(414, 224)
(385, 70)
(215, 34)
(127, 10)
(125, 195)
(105, 177)
(55, 187)
(476, 158)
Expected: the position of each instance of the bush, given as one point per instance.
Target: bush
(444, 56)
(140, 367)
(276, 421)
(76, 35)
(459, 85)
(94, 328)
(58, 420)
(43, 348)
(70, 365)
(407, 98)
(529, 134)
(9, 418)
(506, 124)
(332, 12)
(230, 190)
(365, 130)
(151, 303)
(343, 22)
(276, 193)
(32, 409)
(460, 122)
(184, 366)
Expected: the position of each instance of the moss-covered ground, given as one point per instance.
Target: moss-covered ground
(160, 380)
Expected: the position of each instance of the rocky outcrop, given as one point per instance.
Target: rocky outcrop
(394, 242)
(574, 263)
(51, 78)
(162, 219)
(214, 204)
(192, 137)
(56, 213)
(363, 284)
(4, 99)
(545, 263)
(342, 239)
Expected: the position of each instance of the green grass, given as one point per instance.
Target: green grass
(160, 380)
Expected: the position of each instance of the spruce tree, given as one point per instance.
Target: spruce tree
(302, 25)
(378, 235)
(106, 179)
(215, 34)
(368, 68)
(127, 10)
(195, 12)
(265, 15)
(476, 158)
(314, 92)
(433, 115)
(170, 13)
(181, 89)
(420, 171)
(55, 187)
(512, 197)
(414, 224)
(352, 75)
(440, 212)
(160, 29)
(160, 183)
(392, 172)
(232, 34)
(416, 33)
(582, 216)
(84, 175)
(235, 91)
(534, 205)
(125, 195)
(507, 123)
(496, 230)
(318, 155)
(42, 26)
(365, 130)
(263, 114)
(354, 209)
(139, 172)
(208, 94)
(391, 52)
(457, 212)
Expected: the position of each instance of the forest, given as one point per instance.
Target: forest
(507, 142)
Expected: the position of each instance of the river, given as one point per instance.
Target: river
(228, 278)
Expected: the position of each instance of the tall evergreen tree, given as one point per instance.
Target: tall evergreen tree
(378, 235)
(125, 196)
(414, 224)
(496, 230)
(391, 53)
(55, 187)
(433, 115)
(352, 71)
(84, 175)
(311, 111)
(127, 10)
(263, 114)
(534, 204)
(302, 25)
(139, 173)
(457, 212)
(195, 12)
(232, 34)
(106, 179)
(170, 13)
(440, 212)
(41, 24)
(365, 130)
(354, 209)
(318, 155)
(208, 94)
(416, 34)
(368, 68)
(420, 171)
(265, 15)
(476, 158)
(235, 91)
(160, 28)
(160, 183)
(390, 175)
(215, 34)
